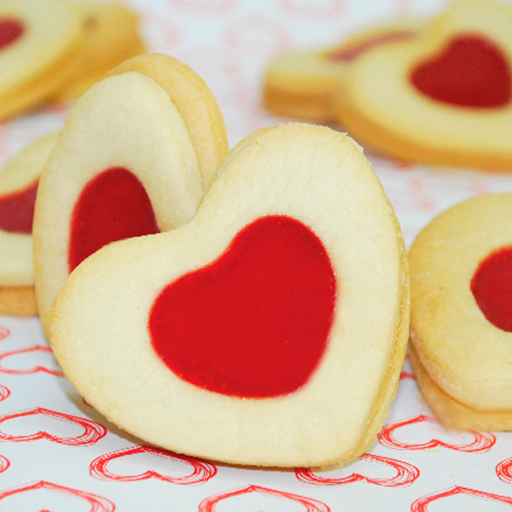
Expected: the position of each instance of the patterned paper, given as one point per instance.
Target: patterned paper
(57, 454)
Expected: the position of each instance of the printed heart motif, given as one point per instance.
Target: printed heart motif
(504, 470)
(201, 471)
(10, 31)
(266, 310)
(97, 503)
(39, 349)
(492, 288)
(406, 474)
(92, 431)
(470, 72)
(310, 505)
(17, 210)
(4, 332)
(422, 504)
(113, 206)
(482, 441)
(258, 34)
(4, 463)
(4, 393)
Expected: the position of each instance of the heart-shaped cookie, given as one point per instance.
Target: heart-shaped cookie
(303, 83)
(124, 165)
(444, 97)
(461, 335)
(268, 330)
(39, 45)
(18, 187)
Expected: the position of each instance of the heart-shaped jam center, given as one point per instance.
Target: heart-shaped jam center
(492, 288)
(471, 71)
(10, 30)
(353, 52)
(255, 322)
(17, 209)
(114, 205)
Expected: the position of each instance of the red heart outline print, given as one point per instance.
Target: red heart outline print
(97, 503)
(482, 441)
(257, 33)
(421, 504)
(4, 392)
(201, 471)
(93, 431)
(310, 505)
(4, 332)
(4, 463)
(406, 474)
(504, 470)
(30, 370)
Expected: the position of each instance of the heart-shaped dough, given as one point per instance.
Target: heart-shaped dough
(126, 146)
(295, 210)
(18, 186)
(461, 286)
(303, 83)
(443, 98)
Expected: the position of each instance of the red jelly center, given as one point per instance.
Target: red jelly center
(492, 288)
(471, 71)
(112, 206)
(355, 51)
(10, 30)
(17, 209)
(255, 322)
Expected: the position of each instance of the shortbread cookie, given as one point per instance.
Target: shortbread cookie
(303, 83)
(443, 98)
(460, 318)
(269, 330)
(39, 45)
(454, 414)
(111, 35)
(152, 147)
(195, 103)
(18, 187)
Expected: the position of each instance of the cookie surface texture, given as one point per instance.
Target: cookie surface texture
(123, 166)
(443, 98)
(269, 330)
(303, 83)
(460, 294)
(195, 103)
(40, 45)
(111, 35)
(18, 188)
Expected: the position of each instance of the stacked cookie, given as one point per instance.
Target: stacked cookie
(58, 48)
(236, 293)
(461, 289)
(438, 93)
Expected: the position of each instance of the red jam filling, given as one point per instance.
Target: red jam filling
(113, 206)
(17, 209)
(471, 71)
(10, 30)
(492, 288)
(255, 322)
(353, 52)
